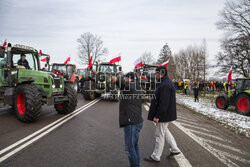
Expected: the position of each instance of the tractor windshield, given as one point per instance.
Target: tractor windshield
(106, 68)
(81, 72)
(59, 68)
(239, 84)
(29, 57)
(3, 61)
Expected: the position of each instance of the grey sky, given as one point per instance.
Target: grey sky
(129, 26)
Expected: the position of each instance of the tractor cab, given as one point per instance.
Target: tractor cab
(147, 79)
(68, 71)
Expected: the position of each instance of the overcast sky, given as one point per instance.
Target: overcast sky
(127, 26)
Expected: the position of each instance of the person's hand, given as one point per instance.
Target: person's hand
(156, 120)
(113, 78)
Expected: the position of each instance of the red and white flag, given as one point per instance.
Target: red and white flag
(229, 76)
(138, 63)
(116, 59)
(45, 59)
(5, 43)
(68, 59)
(165, 63)
(90, 63)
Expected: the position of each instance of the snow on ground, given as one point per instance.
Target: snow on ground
(236, 122)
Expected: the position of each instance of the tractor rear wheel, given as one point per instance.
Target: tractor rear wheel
(221, 102)
(88, 90)
(243, 104)
(28, 102)
(70, 105)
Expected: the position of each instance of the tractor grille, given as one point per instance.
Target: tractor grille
(57, 82)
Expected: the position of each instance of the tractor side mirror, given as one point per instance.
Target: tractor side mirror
(2, 52)
(120, 68)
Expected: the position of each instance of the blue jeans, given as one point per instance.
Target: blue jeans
(131, 134)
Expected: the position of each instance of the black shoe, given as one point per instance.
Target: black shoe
(149, 159)
(173, 154)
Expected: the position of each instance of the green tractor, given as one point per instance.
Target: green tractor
(26, 90)
(98, 81)
(239, 97)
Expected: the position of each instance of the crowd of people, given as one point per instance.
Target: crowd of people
(203, 85)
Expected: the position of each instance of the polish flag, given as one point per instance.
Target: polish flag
(45, 59)
(116, 59)
(68, 59)
(138, 63)
(5, 43)
(165, 63)
(229, 77)
(90, 62)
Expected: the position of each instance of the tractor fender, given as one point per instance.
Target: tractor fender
(246, 93)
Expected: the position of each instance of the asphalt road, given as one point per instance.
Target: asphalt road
(92, 138)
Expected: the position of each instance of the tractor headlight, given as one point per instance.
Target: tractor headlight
(53, 86)
(61, 86)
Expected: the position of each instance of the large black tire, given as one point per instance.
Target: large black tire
(221, 102)
(243, 104)
(76, 85)
(88, 90)
(28, 102)
(70, 105)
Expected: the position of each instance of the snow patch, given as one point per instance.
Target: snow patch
(236, 122)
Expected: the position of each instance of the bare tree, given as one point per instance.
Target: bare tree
(191, 62)
(235, 20)
(148, 58)
(90, 45)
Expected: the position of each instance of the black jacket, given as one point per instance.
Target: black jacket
(163, 106)
(130, 107)
(24, 63)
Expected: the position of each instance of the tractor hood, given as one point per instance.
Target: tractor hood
(47, 81)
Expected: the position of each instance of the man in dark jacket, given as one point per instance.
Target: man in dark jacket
(23, 62)
(162, 111)
(130, 114)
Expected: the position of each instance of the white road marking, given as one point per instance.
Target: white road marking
(196, 127)
(49, 128)
(210, 136)
(225, 146)
(180, 159)
(218, 154)
(191, 123)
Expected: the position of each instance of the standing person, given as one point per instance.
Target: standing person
(185, 88)
(196, 91)
(130, 114)
(162, 111)
(23, 62)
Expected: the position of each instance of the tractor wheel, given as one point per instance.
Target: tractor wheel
(76, 85)
(97, 95)
(243, 104)
(28, 102)
(69, 106)
(88, 90)
(221, 102)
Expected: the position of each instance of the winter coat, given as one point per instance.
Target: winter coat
(24, 63)
(163, 106)
(130, 107)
